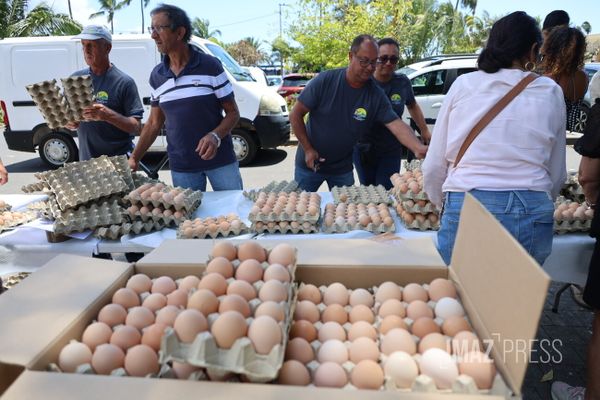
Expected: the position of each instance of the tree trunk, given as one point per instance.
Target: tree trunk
(70, 12)
(142, 6)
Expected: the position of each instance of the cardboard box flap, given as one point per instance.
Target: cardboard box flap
(35, 313)
(55, 386)
(505, 285)
(189, 252)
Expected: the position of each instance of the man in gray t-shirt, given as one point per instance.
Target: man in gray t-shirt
(343, 104)
(115, 116)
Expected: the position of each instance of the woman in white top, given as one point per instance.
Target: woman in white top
(516, 166)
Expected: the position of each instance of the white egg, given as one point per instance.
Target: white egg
(439, 366)
(448, 307)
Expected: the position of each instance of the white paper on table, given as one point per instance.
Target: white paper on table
(48, 226)
(151, 239)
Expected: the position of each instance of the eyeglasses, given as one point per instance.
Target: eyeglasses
(384, 59)
(158, 29)
(365, 62)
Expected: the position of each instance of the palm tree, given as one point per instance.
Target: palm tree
(43, 21)
(253, 42)
(143, 4)
(587, 27)
(470, 4)
(108, 8)
(70, 12)
(200, 28)
(11, 12)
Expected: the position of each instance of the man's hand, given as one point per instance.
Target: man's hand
(420, 151)
(97, 112)
(3, 174)
(72, 125)
(312, 159)
(207, 147)
(133, 163)
(426, 136)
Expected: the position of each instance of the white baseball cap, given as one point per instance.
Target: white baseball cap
(95, 32)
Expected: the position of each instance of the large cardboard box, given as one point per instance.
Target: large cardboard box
(502, 288)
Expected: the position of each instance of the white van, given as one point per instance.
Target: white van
(264, 118)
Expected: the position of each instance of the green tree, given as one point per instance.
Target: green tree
(11, 12)
(108, 8)
(201, 28)
(43, 21)
(586, 27)
(245, 53)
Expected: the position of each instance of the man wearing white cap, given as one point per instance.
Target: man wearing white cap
(115, 117)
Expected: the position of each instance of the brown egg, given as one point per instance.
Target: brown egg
(273, 290)
(398, 340)
(361, 313)
(367, 374)
(361, 296)
(107, 358)
(214, 282)
(336, 313)
(478, 366)
(388, 290)
(164, 285)
(306, 310)
(332, 330)
(141, 360)
(227, 328)
(361, 329)
(220, 265)
(183, 371)
(336, 293)
(112, 315)
(155, 301)
(391, 322)
(96, 334)
(304, 329)
(126, 297)
(441, 287)
(363, 349)
(242, 288)
(454, 324)
(465, 342)
(330, 374)
(251, 250)
(333, 350)
(234, 302)
(73, 355)
(278, 272)
(414, 291)
(264, 333)
(249, 270)
(178, 297)
(433, 340)
(139, 317)
(125, 337)
(283, 254)
(188, 324)
(309, 292)
(139, 283)
(293, 372)
(224, 249)
(418, 309)
(272, 309)
(167, 315)
(205, 301)
(423, 326)
(153, 335)
(392, 307)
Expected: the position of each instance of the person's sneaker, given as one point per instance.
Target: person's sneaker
(577, 292)
(563, 391)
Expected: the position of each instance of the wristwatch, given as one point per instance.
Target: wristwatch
(216, 137)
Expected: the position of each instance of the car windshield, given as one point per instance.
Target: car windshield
(405, 70)
(590, 71)
(275, 80)
(295, 81)
(229, 63)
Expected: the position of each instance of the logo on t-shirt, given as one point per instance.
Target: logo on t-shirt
(102, 96)
(360, 114)
(396, 99)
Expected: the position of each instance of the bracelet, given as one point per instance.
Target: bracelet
(590, 205)
(216, 137)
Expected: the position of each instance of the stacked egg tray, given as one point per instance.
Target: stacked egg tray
(52, 104)
(572, 190)
(122, 167)
(360, 194)
(89, 217)
(4, 206)
(274, 186)
(40, 186)
(345, 217)
(161, 203)
(221, 226)
(114, 232)
(11, 219)
(571, 216)
(79, 93)
(247, 300)
(286, 212)
(412, 204)
(386, 338)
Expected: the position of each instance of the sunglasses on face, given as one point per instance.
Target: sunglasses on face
(365, 62)
(384, 59)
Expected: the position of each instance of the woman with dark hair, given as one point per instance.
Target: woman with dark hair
(516, 165)
(562, 60)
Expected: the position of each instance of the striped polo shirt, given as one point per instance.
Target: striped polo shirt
(192, 106)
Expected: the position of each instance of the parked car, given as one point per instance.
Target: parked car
(274, 80)
(590, 69)
(293, 84)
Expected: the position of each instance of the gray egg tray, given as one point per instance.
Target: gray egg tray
(409, 195)
(206, 233)
(274, 186)
(284, 216)
(52, 104)
(283, 227)
(122, 167)
(191, 200)
(417, 209)
(140, 179)
(107, 213)
(160, 218)
(79, 93)
(411, 166)
(114, 232)
(361, 194)
(347, 226)
(562, 227)
(35, 187)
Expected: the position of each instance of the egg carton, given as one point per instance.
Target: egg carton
(35, 187)
(190, 199)
(52, 104)
(573, 192)
(122, 167)
(53, 210)
(169, 218)
(273, 186)
(79, 93)
(412, 165)
(334, 222)
(165, 371)
(283, 227)
(415, 208)
(409, 195)
(424, 225)
(288, 211)
(11, 219)
(562, 227)
(234, 227)
(360, 194)
(114, 232)
(140, 179)
(108, 213)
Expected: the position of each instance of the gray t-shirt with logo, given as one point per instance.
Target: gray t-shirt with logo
(117, 91)
(340, 115)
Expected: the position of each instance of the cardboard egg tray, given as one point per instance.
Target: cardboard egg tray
(241, 358)
(283, 227)
(83, 218)
(273, 186)
(424, 225)
(416, 208)
(35, 187)
(122, 167)
(140, 179)
(562, 227)
(159, 214)
(334, 222)
(52, 104)
(11, 219)
(360, 194)
(221, 226)
(114, 232)
(79, 93)
(4, 206)
(165, 371)
(283, 209)
(162, 197)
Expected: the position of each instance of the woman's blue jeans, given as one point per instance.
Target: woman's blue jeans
(526, 214)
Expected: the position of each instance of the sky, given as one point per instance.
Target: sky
(237, 19)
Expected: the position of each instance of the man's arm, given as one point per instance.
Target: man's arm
(99, 112)
(311, 156)
(417, 115)
(149, 133)
(208, 145)
(405, 135)
(589, 178)
(3, 174)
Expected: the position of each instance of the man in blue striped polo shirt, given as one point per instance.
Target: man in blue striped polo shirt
(191, 92)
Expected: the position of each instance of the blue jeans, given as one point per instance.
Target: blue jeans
(310, 181)
(526, 214)
(227, 177)
(378, 172)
